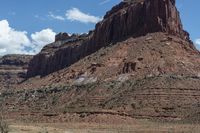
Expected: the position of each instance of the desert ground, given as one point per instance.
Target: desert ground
(140, 126)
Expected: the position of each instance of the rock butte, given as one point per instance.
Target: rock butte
(127, 19)
(138, 62)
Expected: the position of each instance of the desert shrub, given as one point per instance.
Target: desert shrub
(44, 132)
(3, 126)
(54, 100)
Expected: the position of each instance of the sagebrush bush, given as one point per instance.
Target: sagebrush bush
(3, 126)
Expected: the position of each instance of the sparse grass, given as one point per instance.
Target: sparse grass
(54, 100)
(43, 132)
(3, 126)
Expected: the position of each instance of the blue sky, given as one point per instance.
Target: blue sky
(32, 15)
(189, 11)
(33, 19)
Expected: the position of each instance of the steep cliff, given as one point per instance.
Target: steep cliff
(58, 55)
(136, 18)
(13, 69)
(137, 63)
(128, 19)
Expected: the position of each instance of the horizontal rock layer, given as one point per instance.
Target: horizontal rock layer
(164, 97)
(13, 68)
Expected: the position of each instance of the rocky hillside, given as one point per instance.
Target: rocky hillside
(13, 69)
(123, 21)
(151, 55)
(137, 63)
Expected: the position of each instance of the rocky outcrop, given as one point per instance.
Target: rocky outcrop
(57, 55)
(61, 37)
(136, 18)
(131, 18)
(13, 68)
(15, 60)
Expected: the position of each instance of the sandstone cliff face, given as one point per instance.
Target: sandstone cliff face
(138, 18)
(57, 55)
(133, 18)
(13, 68)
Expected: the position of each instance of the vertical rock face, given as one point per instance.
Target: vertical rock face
(139, 17)
(164, 15)
(131, 18)
(57, 55)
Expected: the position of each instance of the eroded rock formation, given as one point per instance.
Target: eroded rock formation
(139, 17)
(13, 68)
(151, 72)
(61, 37)
(128, 19)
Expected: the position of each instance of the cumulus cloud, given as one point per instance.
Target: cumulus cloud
(18, 42)
(197, 41)
(39, 39)
(12, 40)
(56, 17)
(75, 14)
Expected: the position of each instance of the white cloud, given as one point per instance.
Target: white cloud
(75, 14)
(17, 42)
(104, 2)
(56, 17)
(197, 41)
(40, 39)
(12, 41)
(2, 50)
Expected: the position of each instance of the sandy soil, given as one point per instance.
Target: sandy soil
(140, 126)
